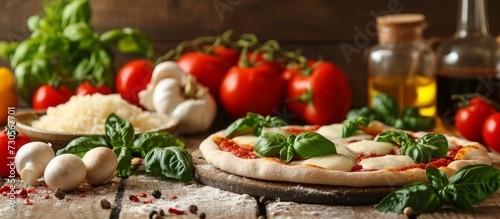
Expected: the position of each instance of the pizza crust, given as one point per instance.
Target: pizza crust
(270, 169)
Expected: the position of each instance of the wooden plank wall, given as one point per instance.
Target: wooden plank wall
(318, 27)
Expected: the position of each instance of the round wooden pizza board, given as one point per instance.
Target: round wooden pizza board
(287, 191)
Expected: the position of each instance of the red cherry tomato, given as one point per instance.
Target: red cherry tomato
(231, 56)
(469, 120)
(87, 88)
(208, 69)
(46, 96)
(491, 131)
(321, 96)
(10, 142)
(257, 89)
(132, 78)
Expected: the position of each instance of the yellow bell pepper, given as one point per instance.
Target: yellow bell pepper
(8, 97)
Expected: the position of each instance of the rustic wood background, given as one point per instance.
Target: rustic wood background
(318, 27)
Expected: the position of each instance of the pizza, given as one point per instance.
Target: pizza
(360, 160)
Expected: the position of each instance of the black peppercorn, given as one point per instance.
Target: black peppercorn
(193, 209)
(202, 216)
(60, 194)
(157, 194)
(105, 204)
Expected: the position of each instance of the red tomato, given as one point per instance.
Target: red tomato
(10, 142)
(132, 78)
(257, 89)
(46, 96)
(209, 70)
(321, 97)
(231, 56)
(491, 131)
(87, 88)
(469, 120)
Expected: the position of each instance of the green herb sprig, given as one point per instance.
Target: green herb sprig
(468, 186)
(303, 145)
(385, 109)
(163, 153)
(421, 150)
(252, 123)
(352, 125)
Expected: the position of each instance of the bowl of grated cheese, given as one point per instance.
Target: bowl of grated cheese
(86, 115)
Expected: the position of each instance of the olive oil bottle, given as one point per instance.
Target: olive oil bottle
(402, 65)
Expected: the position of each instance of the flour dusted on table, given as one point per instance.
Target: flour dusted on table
(87, 114)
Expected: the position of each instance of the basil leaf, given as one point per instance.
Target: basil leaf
(385, 105)
(436, 140)
(420, 153)
(312, 144)
(124, 155)
(395, 137)
(411, 112)
(286, 153)
(80, 146)
(456, 197)
(419, 196)
(118, 131)
(172, 162)
(436, 177)
(75, 12)
(478, 181)
(351, 126)
(252, 123)
(241, 126)
(269, 144)
(363, 112)
(129, 41)
(145, 142)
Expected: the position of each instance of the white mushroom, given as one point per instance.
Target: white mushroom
(101, 163)
(31, 160)
(66, 172)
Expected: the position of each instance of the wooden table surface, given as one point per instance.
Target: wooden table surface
(210, 202)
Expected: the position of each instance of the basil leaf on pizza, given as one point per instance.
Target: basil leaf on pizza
(395, 137)
(351, 126)
(304, 145)
(312, 144)
(436, 140)
(270, 145)
(420, 153)
(422, 150)
(252, 123)
(287, 153)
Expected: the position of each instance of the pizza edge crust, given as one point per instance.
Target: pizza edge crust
(269, 169)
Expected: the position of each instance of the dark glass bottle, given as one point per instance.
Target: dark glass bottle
(466, 62)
